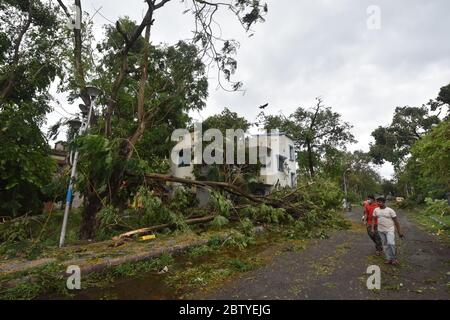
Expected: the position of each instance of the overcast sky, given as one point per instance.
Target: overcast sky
(310, 48)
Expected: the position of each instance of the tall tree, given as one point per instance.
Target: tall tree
(393, 143)
(236, 173)
(134, 73)
(442, 101)
(31, 46)
(313, 131)
(431, 155)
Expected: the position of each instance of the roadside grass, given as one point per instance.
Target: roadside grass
(37, 236)
(200, 268)
(435, 224)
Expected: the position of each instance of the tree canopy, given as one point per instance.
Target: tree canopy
(313, 130)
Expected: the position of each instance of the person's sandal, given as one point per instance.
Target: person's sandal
(395, 262)
(388, 262)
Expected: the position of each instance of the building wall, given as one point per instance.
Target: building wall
(278, 145)
(185, 172)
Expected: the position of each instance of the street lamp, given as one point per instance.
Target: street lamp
(93, 93)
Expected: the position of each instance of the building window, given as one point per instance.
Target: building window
(292, 179)
(291, 153)
(181, 162)
(281, 161)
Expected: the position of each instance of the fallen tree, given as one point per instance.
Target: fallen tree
(311, 200)
(161, 227)
(232, 189)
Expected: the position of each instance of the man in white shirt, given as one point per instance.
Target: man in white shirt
(387, 223)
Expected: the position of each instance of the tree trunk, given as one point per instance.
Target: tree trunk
(310, 158)
(92, 205)
(127, 147)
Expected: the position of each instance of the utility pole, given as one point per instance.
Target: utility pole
(345, 189)
(84, 126)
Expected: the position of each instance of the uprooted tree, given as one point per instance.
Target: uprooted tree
(145, 87)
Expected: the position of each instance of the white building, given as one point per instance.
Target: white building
(276, 154)
(280, 167)
(178, 167)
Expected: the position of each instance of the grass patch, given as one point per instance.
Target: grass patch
(435, 224)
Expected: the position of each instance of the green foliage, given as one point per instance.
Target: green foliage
(247, 227)
(40, 51)
(437, 207)
(202, 250)
(241, 175)
(109, 218)
(226, 120)
(220, 204)
(182, 200)
(317, 224)
(25, 165)
(408, 203)
(432, 155)
(17, 230)
(322, 193)
(442, 101)
(393, 143)
(132, 269)
(30, 236)
(240, 265)
(28, 66)
(313, 131)
(264, 213)
(239, 240)
(46, 279)
(219, 221)
(152, 211)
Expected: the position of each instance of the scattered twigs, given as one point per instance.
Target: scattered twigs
(161, 227)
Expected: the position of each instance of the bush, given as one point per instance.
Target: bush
(151, 210)
(219, 221)
(266, 214)
(437, 207)
(220, 204)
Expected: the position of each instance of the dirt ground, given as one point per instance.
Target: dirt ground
(335, 268)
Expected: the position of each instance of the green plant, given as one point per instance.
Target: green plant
(151, 210)
(182, 199)
(16, 230)
(109, 218)
(220, 204)
(247, 227)
(220, 221)
(437, 207)
(240, 265)
(239, 240)
(265, 213)
(201, 251)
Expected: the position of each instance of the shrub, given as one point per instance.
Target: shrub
(220, 204)
(437, 207)
(219, 221)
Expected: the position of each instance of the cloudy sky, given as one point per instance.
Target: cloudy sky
(310, 48)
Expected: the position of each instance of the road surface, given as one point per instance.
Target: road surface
(335, 268)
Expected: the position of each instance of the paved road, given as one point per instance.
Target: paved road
(335, 268)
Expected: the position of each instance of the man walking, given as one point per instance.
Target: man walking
(369, 206)
(387, 223)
